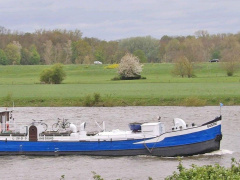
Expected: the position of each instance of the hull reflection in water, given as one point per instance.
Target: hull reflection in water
(148, 139)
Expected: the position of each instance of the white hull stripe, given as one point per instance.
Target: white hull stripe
(180, 132)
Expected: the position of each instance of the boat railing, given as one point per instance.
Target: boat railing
(13, 128)
(218, 118)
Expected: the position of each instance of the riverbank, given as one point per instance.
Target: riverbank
(96, 100)
(92, 86)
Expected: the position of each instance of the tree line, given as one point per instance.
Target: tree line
(70, 47)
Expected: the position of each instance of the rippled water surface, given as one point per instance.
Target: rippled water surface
(125, 168)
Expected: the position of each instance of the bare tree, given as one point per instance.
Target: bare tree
(48, 52)
(173, 50)
(58, 53)
(231, 55)
(68, 52)
(201, 33)
(183, 67)
(193, 50)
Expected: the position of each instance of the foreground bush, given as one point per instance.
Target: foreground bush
(207, 172)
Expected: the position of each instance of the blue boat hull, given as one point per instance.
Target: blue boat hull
(199, 142)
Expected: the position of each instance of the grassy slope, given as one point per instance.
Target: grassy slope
(210, 86)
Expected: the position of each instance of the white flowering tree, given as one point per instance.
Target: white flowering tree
(129, 67)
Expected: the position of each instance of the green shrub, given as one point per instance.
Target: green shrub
(130, 78)
(194, 101)
(230, 73)
(92, 100)
(58, 74)
(97, 97)
(209, 172)
(8, 100)
(96, 176)
(53, 75)
(116, 78)
(46, 76)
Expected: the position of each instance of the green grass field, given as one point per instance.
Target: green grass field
(84, 85)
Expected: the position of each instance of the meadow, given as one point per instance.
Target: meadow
(92, 85)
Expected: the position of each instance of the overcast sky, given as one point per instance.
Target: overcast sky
(117, 19)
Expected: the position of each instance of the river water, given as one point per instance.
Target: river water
(125, 168)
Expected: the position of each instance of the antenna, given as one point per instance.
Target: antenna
(221, 104)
